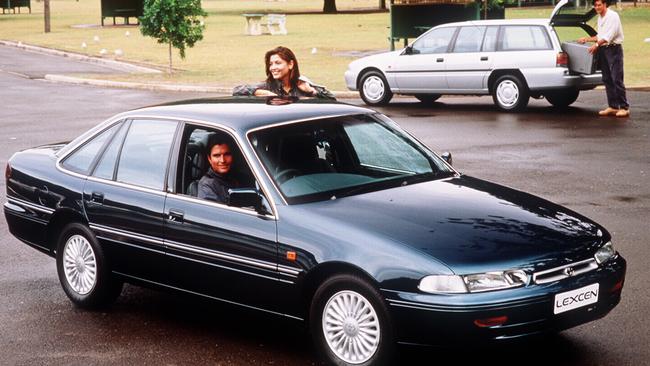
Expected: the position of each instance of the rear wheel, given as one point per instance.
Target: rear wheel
(562, 98)
(350, 324)
(83, 270)
(427, 98)
(374, 89)
(510, 93)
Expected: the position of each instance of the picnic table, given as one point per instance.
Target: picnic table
(272, 24)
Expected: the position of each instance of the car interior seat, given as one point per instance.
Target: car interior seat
(299, 152)
(196, 164)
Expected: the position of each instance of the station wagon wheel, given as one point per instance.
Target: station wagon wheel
(374, 89)
(510, 93)
(427, 98)
(83, 270)
(349, 322)
(562, 98)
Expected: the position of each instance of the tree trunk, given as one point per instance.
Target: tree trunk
(329, 6)
(46, 14)
(170, 58)
(382, 4)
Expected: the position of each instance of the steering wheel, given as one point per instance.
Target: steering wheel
(286, 174)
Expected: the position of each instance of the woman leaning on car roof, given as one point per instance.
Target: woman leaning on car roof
(283, 79)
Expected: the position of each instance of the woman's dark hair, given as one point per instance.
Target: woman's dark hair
(288, 56)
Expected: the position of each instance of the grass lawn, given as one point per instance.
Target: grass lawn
(228, 57)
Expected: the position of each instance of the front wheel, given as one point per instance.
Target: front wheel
(350, 324)
(83, 270)
(374, 89)
(510, 94)
(562, 98)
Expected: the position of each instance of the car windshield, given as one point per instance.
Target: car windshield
(337, 157)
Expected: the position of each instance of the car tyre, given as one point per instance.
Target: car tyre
(510, 93)
(427, 98)
(83, 269)
(350, 324)
(374, 89)
(562, 98)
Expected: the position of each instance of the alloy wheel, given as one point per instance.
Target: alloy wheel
(351, 327)
(79, 264)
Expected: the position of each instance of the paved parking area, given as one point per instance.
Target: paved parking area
(596, 166)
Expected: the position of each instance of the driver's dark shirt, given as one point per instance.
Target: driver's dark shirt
(214, 186)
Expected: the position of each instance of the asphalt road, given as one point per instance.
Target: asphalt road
(596, 166)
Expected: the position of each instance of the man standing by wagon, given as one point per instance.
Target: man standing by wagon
(609, 47)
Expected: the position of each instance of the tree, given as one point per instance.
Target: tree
(46, 15)
(175, 22)
(329, 6)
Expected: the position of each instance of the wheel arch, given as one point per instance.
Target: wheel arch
(494, 75)
(59, 220)
(368, 69)
(319, 274)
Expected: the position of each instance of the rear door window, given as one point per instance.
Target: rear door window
(469, 39)
(490, 39)
(524, 37)
(145, 153)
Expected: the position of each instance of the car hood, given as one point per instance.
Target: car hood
(380, 60)
(468, 224)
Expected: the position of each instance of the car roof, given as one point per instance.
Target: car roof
(533, 21)
(245, 113)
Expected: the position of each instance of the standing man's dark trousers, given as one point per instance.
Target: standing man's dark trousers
(611, 65)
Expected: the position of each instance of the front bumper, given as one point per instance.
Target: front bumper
(443, 319)
(351, 79)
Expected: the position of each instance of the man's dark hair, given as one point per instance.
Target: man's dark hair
(218, 139)
(605, 2)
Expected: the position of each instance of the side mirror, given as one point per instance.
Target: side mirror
(446, 156)
(248, 197)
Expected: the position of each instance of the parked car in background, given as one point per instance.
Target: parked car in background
(512, 60)
(342, 220)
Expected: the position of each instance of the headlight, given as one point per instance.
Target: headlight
(605, 253)
(443, 284)
(478, 282)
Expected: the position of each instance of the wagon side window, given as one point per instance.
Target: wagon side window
(436, 41)
(82, 159)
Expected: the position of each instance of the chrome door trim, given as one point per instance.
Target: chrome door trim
(33, 206)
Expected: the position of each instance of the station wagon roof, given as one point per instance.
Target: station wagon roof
(245, 113)
(533, 21)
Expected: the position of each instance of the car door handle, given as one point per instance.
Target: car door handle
(176, 215)
(440, 60)
(484, 58)
(97, 197)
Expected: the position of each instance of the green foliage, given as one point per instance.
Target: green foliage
(175, 22)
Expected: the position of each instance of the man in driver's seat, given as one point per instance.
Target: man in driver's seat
(216, 182)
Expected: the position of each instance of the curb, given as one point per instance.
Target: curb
(113, 64)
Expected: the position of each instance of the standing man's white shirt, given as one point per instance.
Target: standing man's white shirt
(610, 28)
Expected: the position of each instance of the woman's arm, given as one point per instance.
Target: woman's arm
(258, 90)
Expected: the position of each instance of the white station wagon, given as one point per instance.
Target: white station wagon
(512, 60)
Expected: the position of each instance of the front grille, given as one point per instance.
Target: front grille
(565, 271)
